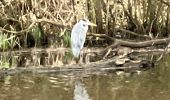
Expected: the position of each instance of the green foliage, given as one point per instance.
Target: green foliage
(4, 65)
(67, 39)
(36, 32)
(6, 42)
(68, 57)
(4, 62)
(62, 33)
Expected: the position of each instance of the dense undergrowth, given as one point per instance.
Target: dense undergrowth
(47, 23)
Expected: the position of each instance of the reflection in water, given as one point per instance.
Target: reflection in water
(149, 85)
(80, 92)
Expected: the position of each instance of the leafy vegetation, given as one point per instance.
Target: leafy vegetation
(29, 23)
(6, 42)
(67, 39)
(4, 62)
(36, 32)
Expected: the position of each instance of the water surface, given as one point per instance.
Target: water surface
(153, 84)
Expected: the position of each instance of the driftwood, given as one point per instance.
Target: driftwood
(133, 44)
(147, 43)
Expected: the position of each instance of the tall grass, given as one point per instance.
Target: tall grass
(36, 32)
(67, 39)
(6, 42)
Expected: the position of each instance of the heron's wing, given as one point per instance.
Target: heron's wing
(78, 36)
(82, 35)
(82, 39)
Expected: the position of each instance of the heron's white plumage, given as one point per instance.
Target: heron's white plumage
(78, 36)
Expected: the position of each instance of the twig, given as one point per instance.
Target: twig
(150, 34)
(18, 32)
(31, 26)
(102, 35)
(51, 22)
(166, 3)
(163, 53)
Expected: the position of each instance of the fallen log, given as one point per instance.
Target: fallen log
(142, 44)
(133, 44)
(102, 66)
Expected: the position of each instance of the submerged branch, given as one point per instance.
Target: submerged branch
(101, 66)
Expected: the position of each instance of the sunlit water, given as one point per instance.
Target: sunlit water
(152, 84)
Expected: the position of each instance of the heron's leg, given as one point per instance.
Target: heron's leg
(77, 60)
(81, 57)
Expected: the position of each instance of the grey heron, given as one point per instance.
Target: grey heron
(78, 36)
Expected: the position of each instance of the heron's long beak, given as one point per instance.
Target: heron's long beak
(91, 24)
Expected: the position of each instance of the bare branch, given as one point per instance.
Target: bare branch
(31, 26)
(102, 35)
(166, 3)
(132, 33)
(18, 32)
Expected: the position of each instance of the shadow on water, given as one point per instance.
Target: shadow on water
(152, 84)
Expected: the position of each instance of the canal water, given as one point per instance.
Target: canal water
(153, 84)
